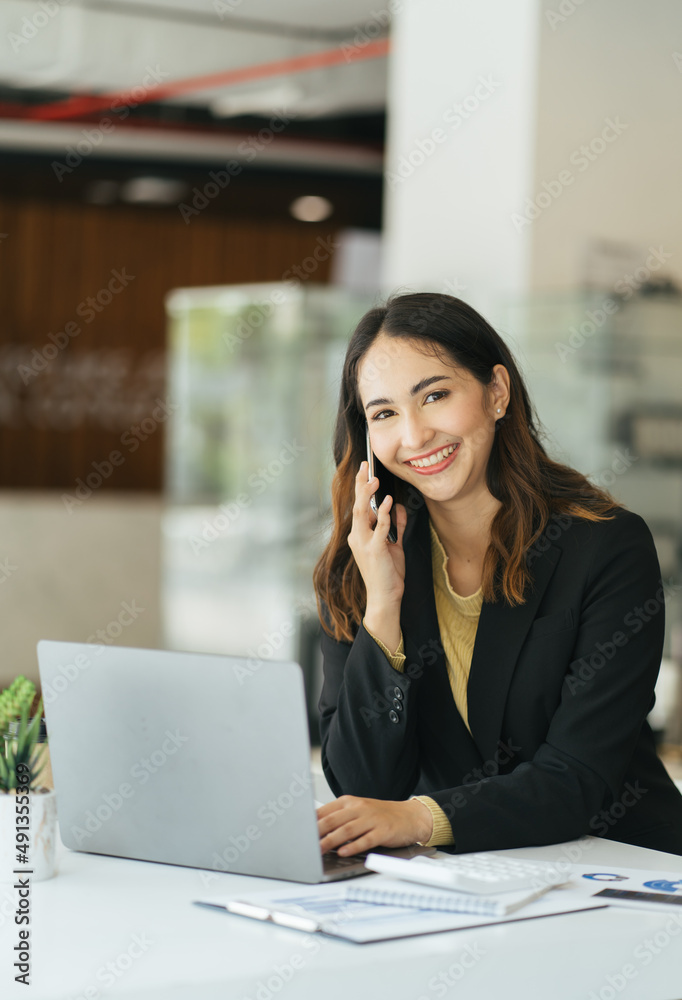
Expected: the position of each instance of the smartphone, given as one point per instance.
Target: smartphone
(392, 533)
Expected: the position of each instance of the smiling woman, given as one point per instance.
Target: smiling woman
(482, 686)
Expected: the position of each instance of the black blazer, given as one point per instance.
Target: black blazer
(558, 695)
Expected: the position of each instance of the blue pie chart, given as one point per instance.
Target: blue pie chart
(662, 885)
(606, 877)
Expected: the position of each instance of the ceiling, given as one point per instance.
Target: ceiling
(194, 71)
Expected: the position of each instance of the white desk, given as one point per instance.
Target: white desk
(139, 916)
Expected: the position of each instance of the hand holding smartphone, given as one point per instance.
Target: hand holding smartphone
(392, 533)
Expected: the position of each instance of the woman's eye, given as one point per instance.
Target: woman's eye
(435, 395)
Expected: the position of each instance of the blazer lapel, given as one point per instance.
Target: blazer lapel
(417, 586)
(501, 632)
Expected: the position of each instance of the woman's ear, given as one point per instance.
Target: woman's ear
(500, 391)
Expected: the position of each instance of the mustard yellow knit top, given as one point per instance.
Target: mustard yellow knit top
(457, 620)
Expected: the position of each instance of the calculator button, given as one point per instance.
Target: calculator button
(489, 874)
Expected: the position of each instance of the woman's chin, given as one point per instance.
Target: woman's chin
(439, 493)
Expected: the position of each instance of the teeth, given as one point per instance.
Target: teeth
(422, 463)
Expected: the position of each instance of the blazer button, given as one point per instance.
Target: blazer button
(393, 716)
(398, 693)
(398, 705)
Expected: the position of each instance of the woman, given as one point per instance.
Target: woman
(487, 677)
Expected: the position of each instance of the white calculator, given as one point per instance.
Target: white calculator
(480, 873)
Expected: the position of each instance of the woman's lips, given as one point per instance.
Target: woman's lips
(431, 470)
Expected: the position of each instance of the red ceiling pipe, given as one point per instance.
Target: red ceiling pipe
(74, 107)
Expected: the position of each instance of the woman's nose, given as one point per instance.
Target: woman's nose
(416, 435)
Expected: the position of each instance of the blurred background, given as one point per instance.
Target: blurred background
(200, 198)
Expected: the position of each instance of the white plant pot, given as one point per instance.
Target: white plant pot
(42, 833)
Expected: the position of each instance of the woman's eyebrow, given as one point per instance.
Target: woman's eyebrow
(413, 391)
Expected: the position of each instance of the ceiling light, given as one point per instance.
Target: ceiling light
(311, 208)
(256, 102)
(153, 190)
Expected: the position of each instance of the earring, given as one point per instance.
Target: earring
(499, 410)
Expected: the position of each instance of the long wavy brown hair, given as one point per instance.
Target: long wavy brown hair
(531, 487)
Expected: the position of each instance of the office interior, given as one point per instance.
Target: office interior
(197, 203)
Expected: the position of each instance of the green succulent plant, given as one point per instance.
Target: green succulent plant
(20, 693)
(19, 756)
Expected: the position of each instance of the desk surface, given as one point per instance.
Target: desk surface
(110, 927)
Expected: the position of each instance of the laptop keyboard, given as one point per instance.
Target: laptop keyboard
(332, 860)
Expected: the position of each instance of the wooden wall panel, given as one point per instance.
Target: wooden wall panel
(56, 423)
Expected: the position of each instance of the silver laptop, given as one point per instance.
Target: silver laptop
(185, 758)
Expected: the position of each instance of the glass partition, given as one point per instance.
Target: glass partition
(254, 377)
(605, 373)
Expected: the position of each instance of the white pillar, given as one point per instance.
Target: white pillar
(461, 120)
(532, 145)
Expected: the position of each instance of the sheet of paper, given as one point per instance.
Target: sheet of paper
(656, 886)
(592, 878)
(367, 922)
